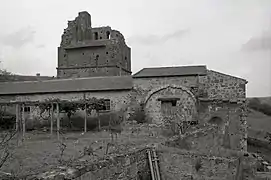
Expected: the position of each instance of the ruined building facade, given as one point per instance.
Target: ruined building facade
(95, 62)
(90, 52)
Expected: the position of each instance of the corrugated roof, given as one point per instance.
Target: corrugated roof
(171, 71)
(67, 85)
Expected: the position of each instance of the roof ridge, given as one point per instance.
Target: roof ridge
(68, 79)
(160, 67)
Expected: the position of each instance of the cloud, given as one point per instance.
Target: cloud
(40, 46)
(262, 42)
(19, 38)
(156, 39)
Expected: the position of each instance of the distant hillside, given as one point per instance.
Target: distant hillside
(258, 121)
(260, 104)
(265, 100)
(259, 116)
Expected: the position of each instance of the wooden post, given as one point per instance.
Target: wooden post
(17, 117)
(52, 117)
(99, 121)
(23, 121)
(57, 120)
(85, 125)
(18, 123)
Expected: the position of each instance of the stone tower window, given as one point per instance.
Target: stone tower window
(107, 35)
(96, 35)
(96, 60)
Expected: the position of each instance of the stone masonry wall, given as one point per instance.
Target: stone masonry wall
(231, 116)
(224, 86)
(118, 100)
(99, 51)
(144, 85)
(130, 166)
(185, 109)
(177, 164)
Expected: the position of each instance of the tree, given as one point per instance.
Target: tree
(4, 75)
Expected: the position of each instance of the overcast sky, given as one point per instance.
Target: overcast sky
(231, 36)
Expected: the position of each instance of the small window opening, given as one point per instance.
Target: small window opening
(106, 105)
(26, 109)
(96, 35)
(106, 52)
(125, 58)
(83, 53)
(101, 37)
(174, 103)
(96, 60)
(107, 35)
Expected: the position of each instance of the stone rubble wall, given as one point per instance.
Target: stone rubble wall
(180, 164)
(232, 118)
(113, 58)
(223, 86)
(131, 166)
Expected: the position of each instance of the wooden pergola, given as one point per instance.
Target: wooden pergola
(20, 116)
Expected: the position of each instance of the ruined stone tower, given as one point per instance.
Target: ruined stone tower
(89, 52)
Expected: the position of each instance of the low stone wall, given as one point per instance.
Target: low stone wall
(259, 143)
(263, 176)
(178, 164)
(129, 166)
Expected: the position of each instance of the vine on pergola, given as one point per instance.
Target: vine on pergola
(70, 107)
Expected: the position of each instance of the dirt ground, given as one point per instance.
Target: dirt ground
(40, 151)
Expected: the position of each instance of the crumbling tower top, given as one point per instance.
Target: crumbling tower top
(78, 30)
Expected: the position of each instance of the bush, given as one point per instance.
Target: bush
(139, 115)
(7, 121)
(92, 122)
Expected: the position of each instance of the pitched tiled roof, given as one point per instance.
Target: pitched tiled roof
(67, 85)
(171, 71)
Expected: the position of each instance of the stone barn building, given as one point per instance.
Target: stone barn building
(96, 62)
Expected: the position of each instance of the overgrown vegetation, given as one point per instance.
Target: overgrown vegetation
(257, 105)
(5, 75)
(139, 114)
(7, 120)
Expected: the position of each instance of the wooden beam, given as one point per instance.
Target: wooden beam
(57, 120)
(36, 103)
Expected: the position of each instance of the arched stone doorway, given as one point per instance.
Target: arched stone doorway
(169, 103)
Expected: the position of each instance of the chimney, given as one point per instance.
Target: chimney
(38, 74)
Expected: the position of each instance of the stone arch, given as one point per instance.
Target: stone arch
(169, 86)
(216, 120)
